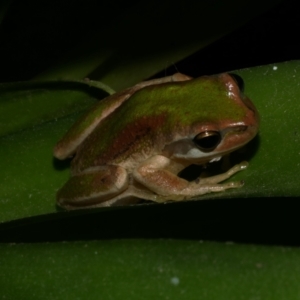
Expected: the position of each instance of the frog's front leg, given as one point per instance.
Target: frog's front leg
(93, 187)
(155, 175)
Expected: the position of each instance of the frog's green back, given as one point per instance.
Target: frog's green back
(154, 114)
(205, 98)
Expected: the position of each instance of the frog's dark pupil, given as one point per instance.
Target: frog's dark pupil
(207, 141)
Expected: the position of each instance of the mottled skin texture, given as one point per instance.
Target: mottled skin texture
(132, 144)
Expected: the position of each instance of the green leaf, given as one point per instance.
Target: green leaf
(25, 104)
(30, 175)
(148, 269)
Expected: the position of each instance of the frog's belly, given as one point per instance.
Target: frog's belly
(134, 160)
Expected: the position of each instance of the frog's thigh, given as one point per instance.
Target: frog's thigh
(153, 174)
(93, 187)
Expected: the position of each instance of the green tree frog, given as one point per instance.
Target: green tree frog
(133, 144)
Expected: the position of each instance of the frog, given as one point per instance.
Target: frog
(132, 146)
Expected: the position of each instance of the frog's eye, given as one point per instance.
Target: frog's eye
(207, 140)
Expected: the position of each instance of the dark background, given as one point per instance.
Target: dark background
(37, 34)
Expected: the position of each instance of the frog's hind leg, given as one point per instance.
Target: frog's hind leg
(93, 188)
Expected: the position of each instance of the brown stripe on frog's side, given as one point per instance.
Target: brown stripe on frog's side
(135, 137)
(141, 136)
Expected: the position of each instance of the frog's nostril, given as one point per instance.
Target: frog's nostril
(239, 81)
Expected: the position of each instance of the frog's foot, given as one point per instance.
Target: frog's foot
(93, 187)
(212, 184)
(154, 174)
(221, 177)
